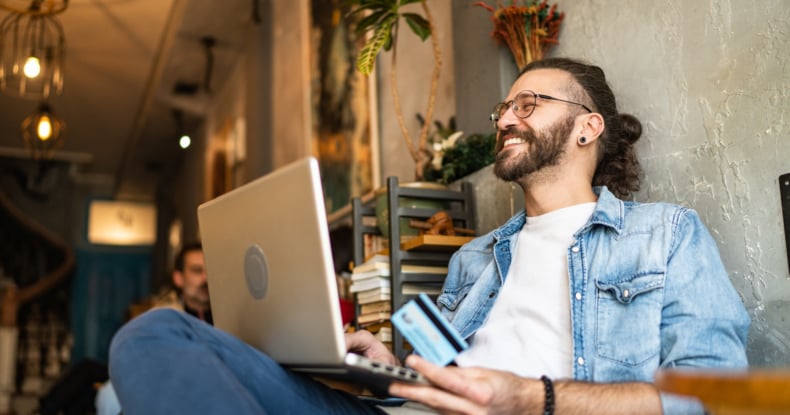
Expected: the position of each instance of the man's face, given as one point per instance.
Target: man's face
(528, 145)
(192, 281)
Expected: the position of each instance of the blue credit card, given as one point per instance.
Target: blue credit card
(431, 335)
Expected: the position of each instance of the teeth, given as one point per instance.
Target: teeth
(510, 141)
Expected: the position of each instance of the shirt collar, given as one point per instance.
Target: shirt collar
(609, 211)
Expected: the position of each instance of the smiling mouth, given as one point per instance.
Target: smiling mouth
(513, 141)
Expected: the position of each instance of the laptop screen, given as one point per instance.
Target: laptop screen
(270, 272)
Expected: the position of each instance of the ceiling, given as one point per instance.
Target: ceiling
(131, 66)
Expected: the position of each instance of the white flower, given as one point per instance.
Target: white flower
(439, 147)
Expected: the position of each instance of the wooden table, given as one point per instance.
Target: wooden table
(727, 392)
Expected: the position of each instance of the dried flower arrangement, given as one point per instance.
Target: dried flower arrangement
(528, 30)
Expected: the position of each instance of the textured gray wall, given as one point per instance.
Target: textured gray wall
(710, 81)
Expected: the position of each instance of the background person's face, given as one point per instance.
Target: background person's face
(192, 281)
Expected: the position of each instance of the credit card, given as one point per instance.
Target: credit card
(431, 335)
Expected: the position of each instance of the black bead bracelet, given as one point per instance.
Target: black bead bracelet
(548, 407)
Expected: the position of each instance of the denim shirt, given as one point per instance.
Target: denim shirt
(648, 291)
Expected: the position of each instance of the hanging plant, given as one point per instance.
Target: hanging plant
(380, 20)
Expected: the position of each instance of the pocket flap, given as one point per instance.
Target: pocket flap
(451, 299)
(626, 289)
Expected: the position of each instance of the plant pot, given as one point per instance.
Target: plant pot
(382, 207)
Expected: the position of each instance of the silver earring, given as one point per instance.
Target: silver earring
(582, 140)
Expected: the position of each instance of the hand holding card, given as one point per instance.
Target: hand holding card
(431, 335)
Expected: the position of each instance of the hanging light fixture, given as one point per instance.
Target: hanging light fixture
(184, 140)
(32, 50)
(44, 6)
(43, 132)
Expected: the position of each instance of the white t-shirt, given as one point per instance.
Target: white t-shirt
(528, 331)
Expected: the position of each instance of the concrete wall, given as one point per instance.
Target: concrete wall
(710, 82)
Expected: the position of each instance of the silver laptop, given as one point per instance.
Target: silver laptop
(271, 277)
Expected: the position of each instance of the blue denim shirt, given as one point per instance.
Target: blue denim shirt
(648, 290)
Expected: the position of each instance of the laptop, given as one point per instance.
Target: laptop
(271, 276)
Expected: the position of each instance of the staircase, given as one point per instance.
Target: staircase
(35, 265)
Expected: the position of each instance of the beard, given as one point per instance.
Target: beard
(197, 295)
(544, 148)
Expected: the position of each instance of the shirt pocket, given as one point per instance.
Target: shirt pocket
(628, 324)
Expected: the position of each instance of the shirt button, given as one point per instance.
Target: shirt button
(626, 293)
(580, 361)
(575, 248)
(578, 296)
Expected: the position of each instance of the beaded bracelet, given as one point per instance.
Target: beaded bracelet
(548, 407)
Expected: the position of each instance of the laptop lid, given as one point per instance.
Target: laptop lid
(270, 272)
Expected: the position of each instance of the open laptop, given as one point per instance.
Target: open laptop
(271, 276)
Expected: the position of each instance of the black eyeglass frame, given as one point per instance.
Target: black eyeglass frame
(502, 107)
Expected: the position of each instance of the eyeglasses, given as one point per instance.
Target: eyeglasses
(524, 104)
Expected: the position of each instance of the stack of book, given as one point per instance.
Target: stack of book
(371, 284)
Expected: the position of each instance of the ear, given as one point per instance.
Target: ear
(178, 279)
(591, 126)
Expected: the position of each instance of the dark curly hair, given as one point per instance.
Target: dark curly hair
(618, 168)
(187, 248)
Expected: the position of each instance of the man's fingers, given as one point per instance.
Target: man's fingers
(458, 382)
(440, 400)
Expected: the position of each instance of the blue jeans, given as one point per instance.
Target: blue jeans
(167, 362)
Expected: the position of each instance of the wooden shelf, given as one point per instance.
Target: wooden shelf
(425, 250)
(435, 243)
(731, 392)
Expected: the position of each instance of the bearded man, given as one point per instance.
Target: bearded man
(569, 307)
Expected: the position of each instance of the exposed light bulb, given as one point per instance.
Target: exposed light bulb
(32, 68)
(44, 128)
(184, 141)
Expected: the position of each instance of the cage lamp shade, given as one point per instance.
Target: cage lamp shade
(43, 133)
(35, 6)
(32, 52)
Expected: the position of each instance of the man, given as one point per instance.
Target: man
(570, 307)
(190, 295)
(189, 278)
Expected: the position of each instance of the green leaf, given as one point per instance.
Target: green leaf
(367, 56)
(418, 25)
(372, 6)
(368, 4)
(469, 154)
(391, 39)
(372, 20)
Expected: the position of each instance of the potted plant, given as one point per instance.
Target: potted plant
(380, 20)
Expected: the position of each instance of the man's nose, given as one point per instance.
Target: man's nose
(507, 119)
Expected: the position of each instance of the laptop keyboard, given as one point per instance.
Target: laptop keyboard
(400, 373)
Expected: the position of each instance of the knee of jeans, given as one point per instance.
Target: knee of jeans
(153, 323)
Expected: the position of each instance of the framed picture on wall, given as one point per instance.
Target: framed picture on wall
(343, 101)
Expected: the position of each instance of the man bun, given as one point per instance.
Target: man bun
(631, 128)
